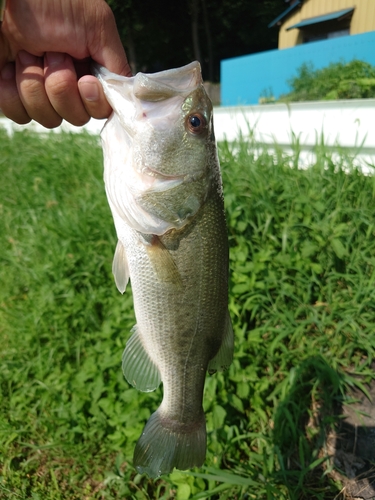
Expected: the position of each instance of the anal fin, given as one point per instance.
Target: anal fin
(120, 267)
(224, 357)
(138, 368)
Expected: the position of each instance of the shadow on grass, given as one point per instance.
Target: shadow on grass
(353, 444)
(325, 450)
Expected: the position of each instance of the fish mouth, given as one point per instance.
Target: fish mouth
(162, 182)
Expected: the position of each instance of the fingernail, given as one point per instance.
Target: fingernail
(54, 58)
(26, 58)
(8, 72)
(90, 91)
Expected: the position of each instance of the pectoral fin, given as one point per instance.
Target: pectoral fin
(162, 261)
(120, 268)
(224, 357)
(138, 368)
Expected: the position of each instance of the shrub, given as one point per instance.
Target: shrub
(341, 80)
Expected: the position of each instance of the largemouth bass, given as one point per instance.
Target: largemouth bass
(163, 183)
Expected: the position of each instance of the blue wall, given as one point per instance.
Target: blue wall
(244, 79)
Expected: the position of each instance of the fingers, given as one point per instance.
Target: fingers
(48, 87)
(30, 84)
(62, 90)
(10, 102)
(46, 90)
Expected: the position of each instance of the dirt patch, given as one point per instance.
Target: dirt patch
(352, 446)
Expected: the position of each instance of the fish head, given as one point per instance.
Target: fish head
(172, 125)
(165, 157)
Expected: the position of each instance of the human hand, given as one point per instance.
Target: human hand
(46, 47)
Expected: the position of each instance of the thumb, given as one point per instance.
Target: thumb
(105, 46)
(93, 97)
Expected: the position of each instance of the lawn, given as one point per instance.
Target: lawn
(302, 300)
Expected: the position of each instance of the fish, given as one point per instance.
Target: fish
(164, 188)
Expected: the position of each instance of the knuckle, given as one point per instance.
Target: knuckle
(58, 87)
(31, 89)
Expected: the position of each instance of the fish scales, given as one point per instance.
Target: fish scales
(163, 185)
(182, 320)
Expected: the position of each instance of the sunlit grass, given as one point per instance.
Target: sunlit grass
(302, 299)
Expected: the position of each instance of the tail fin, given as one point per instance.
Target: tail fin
(165, 444)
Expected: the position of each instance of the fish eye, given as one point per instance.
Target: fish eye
(196, 123)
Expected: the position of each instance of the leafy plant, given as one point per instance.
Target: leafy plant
(301, 298)
(341, 80)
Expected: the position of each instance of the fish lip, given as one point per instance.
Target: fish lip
(148, 89)
(152, 86)
(165, 181)
(190, 80)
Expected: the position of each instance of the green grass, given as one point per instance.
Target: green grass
(302, 299)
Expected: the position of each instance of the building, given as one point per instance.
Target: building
(311, 20)
(316, 32)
